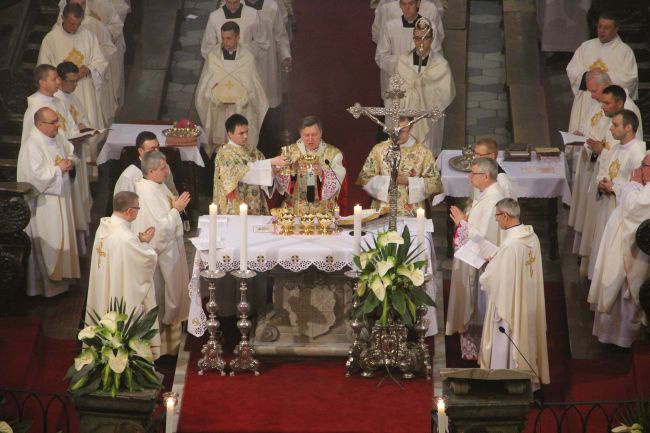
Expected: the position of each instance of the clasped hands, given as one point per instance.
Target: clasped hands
(595, 145)
(606, 186)
(180, 203)
(65, 165)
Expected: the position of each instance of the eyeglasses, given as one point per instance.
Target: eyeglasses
(482, 155)
(134, 207)
(498, 214)
(53, 122)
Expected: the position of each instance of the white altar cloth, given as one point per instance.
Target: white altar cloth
(122, 135)
(531, 179)
(296, 253)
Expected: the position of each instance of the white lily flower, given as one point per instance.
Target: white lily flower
(118, 363)
(5, 428)
(366, 257)
(87, 333)
(142, 348)
(116, 341)
(389, 238)
(361, 287)
(415, 275)
(88, 356)
(379, 285)
(109, 321)
(384, 266)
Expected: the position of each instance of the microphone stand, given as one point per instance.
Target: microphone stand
(503, 331)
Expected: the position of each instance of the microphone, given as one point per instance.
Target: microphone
(503, 331)
(327, 162)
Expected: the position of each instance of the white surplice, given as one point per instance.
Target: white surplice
(122, 267)
(80, 48)
(431, 87)
(621, 267)
(514, 283)
(53, 259)
(389, 10)
(171, 277)
(251, 31)
(133, 173)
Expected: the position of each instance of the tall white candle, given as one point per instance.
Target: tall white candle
(442, 417)
(420, 230)
(169, 419)
(212, 252)
(357, 229)
(243, 252)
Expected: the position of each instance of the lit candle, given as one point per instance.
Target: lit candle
(357, 229)
(337, 212)
(169, 419)
(420, 230)
(212, 252)
(442, 417)
(243, 253)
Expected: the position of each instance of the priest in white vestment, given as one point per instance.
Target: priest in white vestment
(229, 84)
(466, 310)
(251, 31)
(396, 38)
(123, 264)
(428, 84)
(487, 147)
(67, 42)
(160, 209)
(145, 142)
(388, 10)
(45, 160)
(513, 281)
(621, 267)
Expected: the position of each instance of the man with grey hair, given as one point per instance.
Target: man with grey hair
(513, 282)
(621, 266)
(466, 309)
(123, 262)
(160, 209)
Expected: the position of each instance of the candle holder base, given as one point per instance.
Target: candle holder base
(244, 352)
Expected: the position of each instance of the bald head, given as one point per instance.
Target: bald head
(46, 121)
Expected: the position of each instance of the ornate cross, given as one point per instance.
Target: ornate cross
(530, 261)
(392, 113)
(101, 253)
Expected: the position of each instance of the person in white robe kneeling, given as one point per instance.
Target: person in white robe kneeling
(45, 160)
(160, 209)
(621, 267)
(513, 281)
(123, 263)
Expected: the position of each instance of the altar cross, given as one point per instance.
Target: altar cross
(392, 113)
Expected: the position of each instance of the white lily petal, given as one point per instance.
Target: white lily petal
(142, 348)
(118, 363)
(87, 333)
(384, 266)
(378, 287)
(88, 356)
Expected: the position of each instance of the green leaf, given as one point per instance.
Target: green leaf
(370, 303)
(106, 378)
(397, 297)
(150, 334)
(384, 313)
(79, 383)
(411, 306)
(142, 326)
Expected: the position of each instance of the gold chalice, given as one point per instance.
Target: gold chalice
(286, 222)
(307, 223)
(325, 222)
(286, 171)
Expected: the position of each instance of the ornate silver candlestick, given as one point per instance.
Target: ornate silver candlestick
(353, 363)
(212, 350)
(244, 352)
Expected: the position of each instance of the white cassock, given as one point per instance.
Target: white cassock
(269, 63)
(514, 284)
(171, 277)
(621, 268)
(80, 48)
(251, 31)
(53, 259)
(466, 310)
(562, 24)
(122, 267)
(239, 90)
(395, 39)
(615, 57)
(432, 87)
(133, 173)
(389, 10)
(504, 182)
(80, 188)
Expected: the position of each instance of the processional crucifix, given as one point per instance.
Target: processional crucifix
(392, 113)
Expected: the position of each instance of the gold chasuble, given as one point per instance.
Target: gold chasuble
(231, 165)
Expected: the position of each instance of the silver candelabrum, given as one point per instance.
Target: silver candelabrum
(244, 359)
(212, 350)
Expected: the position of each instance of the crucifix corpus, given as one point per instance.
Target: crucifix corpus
(392, 113)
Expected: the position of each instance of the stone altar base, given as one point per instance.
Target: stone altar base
(308, 316)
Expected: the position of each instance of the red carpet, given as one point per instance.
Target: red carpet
(303, 397)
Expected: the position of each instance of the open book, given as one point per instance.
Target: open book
(475, 251)
(88, 132)
(572, 139)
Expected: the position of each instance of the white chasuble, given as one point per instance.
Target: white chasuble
(122, 267)
(620, 270)
(171, 277)
(251, 32)
(614, 57)
(54, 257)
(464, 294)
(82, 49)
(514, 283)
(432, 87)
(227, 87)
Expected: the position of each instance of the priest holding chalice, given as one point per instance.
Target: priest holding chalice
(317, 172)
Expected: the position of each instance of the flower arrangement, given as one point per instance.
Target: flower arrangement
(391, 282)
(635, 420)
(117, 352)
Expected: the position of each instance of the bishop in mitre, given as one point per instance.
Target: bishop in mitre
(45, 161)
(318, 172)
(161, 210)
(621, 267)
(67, 42)
(418, 176)
(513, 281)
(467, 303)
(230, 84)
(428, 84)
(242, 175)
(123, 263)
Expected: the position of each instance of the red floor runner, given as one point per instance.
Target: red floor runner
(302, 397)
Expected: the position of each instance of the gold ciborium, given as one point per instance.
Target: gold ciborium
(307, 222)
(325, 221)
(286, 222)
(309, 160)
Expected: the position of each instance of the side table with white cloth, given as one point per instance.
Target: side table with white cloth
(311, 300)
(535, 179)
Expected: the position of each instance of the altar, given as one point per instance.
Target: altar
(310, 298)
